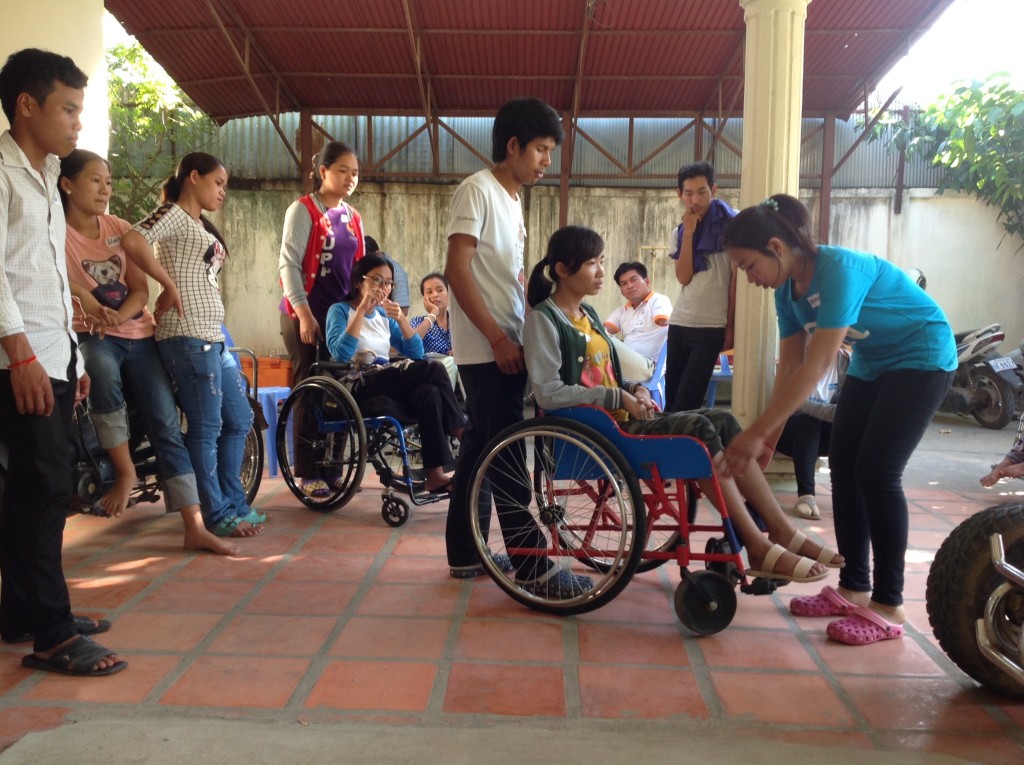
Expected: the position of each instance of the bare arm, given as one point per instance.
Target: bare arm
(140, 253)
(794, 383)
(684, 265)
(33, 393)
(730, 318)
(138, 294)
(461, 251)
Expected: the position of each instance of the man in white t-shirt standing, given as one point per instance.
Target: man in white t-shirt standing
(701, 325)
(486, 241)
(643, 320)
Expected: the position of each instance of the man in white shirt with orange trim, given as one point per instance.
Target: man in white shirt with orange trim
(643, 320)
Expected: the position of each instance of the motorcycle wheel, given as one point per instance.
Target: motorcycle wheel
(1000, 408)
(961, 580)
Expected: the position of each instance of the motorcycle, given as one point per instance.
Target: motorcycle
(986, 385)
(93, 472)
(975, 598)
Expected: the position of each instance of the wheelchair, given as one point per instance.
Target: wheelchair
(341, 437)
(572, 490)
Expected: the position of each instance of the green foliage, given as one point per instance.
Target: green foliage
(152, 125)
(977, 135)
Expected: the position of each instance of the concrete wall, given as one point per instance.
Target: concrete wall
(72, 29)
(953, 238)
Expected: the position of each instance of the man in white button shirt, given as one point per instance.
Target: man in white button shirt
(643, 319)
(40, 377)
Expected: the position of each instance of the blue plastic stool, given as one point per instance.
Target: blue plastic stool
(269, 399)
(720, 375)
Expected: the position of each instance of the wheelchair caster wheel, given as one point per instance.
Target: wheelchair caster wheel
(394, 511)
(725, 568)
(705, 602)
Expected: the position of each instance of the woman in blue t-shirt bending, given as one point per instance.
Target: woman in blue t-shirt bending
(903, 365)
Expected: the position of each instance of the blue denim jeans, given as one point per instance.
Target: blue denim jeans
(116, 362)
(219, 416)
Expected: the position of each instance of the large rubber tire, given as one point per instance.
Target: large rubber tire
(960, 582)
(336, 440)
(252, 463)
(570, 499)
(1000, 409)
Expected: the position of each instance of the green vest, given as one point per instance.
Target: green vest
(572, 345)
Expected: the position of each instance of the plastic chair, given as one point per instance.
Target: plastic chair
(656, 385)
(719, 375)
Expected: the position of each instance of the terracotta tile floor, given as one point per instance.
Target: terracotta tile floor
(338, 616)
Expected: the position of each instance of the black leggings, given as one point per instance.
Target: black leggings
(877, 426)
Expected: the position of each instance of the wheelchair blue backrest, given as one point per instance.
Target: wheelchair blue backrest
(681, 457)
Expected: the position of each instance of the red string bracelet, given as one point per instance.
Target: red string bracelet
(495, 343)
(22, 363)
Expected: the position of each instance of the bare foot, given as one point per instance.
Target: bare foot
(786, 563)
(857, 598)
(892, 614)
(115, 501)
(201, 539)
(104, 663)
(245, 529)
(438, 482)
(811, 549)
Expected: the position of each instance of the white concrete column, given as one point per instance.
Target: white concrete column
(772, 102)
(72, 29)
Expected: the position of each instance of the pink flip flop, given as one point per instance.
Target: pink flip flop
(826, 603)
(863, 627)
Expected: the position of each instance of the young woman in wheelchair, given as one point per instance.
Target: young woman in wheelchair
(571, 362)
(363, 329)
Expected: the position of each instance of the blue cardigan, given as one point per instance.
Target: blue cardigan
(343, 346)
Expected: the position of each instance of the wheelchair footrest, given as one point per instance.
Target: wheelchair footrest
(762, 586)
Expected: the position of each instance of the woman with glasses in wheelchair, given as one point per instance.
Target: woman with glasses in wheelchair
(572, 362)
(362, 329)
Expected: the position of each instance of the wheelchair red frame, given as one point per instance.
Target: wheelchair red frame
(599, 503)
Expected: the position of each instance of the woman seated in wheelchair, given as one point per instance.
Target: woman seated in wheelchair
(362, 329)
(571, 362)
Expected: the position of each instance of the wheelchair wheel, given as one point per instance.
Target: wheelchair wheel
(252, 463)
(705, 602)
(563, 498)
(395, 511)
(333, 441)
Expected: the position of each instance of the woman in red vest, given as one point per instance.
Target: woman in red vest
(323, 237)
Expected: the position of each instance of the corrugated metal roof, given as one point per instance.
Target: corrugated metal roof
(642, 57)
(251, 148)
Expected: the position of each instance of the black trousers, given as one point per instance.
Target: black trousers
(804, 439)
(34, 594)
(689, 364)
(494, 401)
(302, 357)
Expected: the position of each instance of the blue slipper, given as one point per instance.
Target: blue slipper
(254, 517)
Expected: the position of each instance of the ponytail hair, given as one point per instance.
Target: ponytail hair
(326, 157)
(780, 217)
(572, 246)
(204, 164)
(73, 164)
